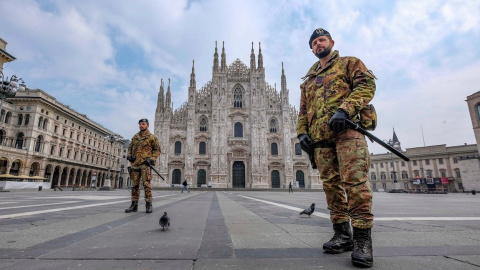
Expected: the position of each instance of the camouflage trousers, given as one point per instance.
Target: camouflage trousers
(143, 174)
(344, 171)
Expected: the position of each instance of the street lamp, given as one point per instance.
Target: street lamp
(9, 86)
(392, 165)
(111, 138)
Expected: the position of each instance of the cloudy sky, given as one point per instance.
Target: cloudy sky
(106, 58)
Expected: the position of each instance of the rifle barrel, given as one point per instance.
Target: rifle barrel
(371, 136)
(156, 171)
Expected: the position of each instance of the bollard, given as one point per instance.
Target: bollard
(40, 188)
(474, 192)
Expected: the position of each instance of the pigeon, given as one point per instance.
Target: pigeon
(309, 210)
(164, 221)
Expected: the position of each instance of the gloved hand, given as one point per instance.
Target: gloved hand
(131, 158)
(306, 143)
(337, 122)
(149, 161)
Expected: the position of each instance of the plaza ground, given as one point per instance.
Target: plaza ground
(228, 230)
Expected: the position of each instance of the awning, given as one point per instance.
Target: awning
(11, 176)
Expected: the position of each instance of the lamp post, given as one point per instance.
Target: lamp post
(9, 86)
(111, 138)
(396, 186)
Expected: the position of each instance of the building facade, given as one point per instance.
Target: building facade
(430, 167)
(5, 57)
(237, 131)
(40, 136)
(471, 163)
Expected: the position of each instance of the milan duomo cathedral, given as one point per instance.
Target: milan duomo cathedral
(236, 131)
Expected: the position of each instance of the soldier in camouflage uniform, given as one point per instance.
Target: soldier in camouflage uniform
(337, 88)
(144, 149)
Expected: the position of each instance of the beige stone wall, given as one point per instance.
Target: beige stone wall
(470, 169)
(472, 101)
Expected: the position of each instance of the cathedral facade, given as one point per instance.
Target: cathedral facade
(237, 131)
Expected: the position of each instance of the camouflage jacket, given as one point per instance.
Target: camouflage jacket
(344, 82)
(143, 147)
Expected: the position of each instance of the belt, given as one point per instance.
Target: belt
(323, 144)
(136, 170)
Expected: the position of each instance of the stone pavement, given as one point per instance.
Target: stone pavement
(228, 230)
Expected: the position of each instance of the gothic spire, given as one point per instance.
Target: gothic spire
(395, 138)
(192, 76)
(284, 90)
(161, 98)
(193, 86)
(395, 142)
(224, 58)
(252, 60)
(215, 59)
(260, 57)
(168, 96)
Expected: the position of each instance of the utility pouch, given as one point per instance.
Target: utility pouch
(368, 117)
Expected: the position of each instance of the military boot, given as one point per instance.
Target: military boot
(362, 254)
(341, 240)
(149, 207)
(133, 207)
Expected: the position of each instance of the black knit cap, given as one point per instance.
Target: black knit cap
(318, 33)
(145, 120)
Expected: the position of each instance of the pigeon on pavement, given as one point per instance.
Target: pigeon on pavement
(164, 221)
(309, 210)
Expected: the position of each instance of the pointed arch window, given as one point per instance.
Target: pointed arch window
(238, 130)
(40, 121)
(274, 149)
(203, 124)
(273, 125)
(178, 148)
(237, 98)
(27, 119)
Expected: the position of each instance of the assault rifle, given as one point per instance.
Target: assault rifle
(358, 128)
(151, 167)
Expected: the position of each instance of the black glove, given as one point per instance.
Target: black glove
(149, 161)
(337, 122)
(306, 143)
(131, 158)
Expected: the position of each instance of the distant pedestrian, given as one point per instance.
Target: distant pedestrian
(290, 188)
(185, 186)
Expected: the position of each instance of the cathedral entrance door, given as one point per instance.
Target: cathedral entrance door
(176, 175)
(275, 179)
(300, 179)
(201, 178)
(238, 173)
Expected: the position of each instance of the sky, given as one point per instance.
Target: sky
(106, 58)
